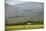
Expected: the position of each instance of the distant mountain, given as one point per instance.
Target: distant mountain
(9, 10)
(29, 8)
(27, 11)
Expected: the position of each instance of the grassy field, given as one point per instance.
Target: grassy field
(23, 19)
(18, 27)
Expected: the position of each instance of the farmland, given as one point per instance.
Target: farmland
(18, 27)
(22, 23)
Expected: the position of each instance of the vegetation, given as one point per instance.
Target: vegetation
(28, 23)
(24, 27)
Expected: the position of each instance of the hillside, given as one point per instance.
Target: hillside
(24, 12)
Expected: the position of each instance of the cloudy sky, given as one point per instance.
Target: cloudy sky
(13, 2)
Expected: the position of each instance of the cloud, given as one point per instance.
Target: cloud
(13, 2)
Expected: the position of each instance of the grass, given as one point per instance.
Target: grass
(23, 19)
(18, 27)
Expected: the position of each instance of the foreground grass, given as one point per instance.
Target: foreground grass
(18, 27)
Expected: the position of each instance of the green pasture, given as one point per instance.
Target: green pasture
(18, 27)
(24, 19)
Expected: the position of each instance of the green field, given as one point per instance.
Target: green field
(37, 23)
(18, 27)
